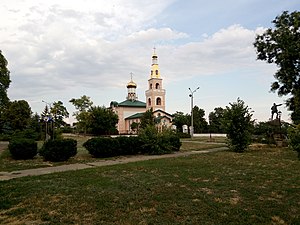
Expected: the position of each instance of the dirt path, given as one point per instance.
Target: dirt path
(3, 146)
(79, 166)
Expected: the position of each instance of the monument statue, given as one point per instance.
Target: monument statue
(274, 110)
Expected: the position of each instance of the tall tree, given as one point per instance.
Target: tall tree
(238, 125)
(281, 45)
(180, 119)
(102, 121)
(46, 113)
(82, 105)
(200, 124)
(59, 112)
(147, 119)
(4, 81)
(18, 115)
(4, 85)
(215, 120)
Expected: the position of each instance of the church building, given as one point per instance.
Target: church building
(131, 110)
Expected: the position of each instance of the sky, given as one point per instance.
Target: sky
(60, 49)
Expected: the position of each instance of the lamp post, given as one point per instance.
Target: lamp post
(192, 106)
(48, 119)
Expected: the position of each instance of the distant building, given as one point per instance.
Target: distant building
(131, 110)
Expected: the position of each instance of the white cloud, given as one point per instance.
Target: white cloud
(229, 49)
(63, 49)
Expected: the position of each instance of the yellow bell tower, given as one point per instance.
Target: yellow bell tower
(155, 95)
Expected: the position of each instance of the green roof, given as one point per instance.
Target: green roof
(134, 116)
(130, 103)
(113, 103)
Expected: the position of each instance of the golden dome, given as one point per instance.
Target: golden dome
(131, 84)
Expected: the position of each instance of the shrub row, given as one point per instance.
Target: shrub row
(102, 147)
(53, 150)
(59, 150)
(22, 148)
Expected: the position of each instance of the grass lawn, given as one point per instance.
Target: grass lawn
(8, 164)
(261, 186)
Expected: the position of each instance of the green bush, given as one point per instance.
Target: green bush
(129, 145)
(294, 139)
(149, 141)
(169, 141)
(157, 143)
(175, 142)
(22, 148)
(59, 150)
(102, 147)
(5, 137)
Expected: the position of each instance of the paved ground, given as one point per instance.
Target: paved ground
(79, 166)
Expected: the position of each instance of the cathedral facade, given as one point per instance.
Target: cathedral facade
(131, 110)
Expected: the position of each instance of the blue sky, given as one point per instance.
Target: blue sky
(60, 49)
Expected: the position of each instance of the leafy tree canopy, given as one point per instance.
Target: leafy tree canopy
(180, 119)
(147, 119)
(59, 112)
(215, 120)
(238, 125)
(4, 81)
(200, 124)
(281, 45)
(102, 121)
(18, 115)
(82, 105)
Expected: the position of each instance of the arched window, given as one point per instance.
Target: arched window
(158, 101)
(157, 85)
(156, 72)
(150, 86)
(151, 72)
(149, 101)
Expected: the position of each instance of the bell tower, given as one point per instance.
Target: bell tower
(155, 95)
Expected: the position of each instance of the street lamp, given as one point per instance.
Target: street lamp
(47, 103)
(192, 106)
(47, 120)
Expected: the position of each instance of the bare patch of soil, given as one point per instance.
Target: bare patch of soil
(3, 146)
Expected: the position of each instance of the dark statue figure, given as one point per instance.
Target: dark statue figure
(274, 110)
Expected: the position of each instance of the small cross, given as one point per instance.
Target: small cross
(131, 75)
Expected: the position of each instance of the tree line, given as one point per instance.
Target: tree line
(278, 45)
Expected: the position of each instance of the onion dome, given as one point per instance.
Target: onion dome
(131, 84)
